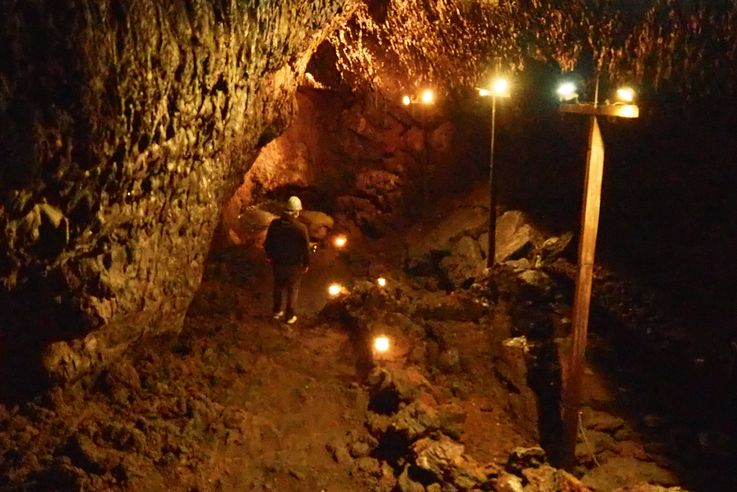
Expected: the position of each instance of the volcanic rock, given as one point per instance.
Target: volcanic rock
(444, 459)
(624, 472)
(521, 458)
(318, 223)
(464, 263)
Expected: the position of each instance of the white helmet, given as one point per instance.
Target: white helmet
(294, 204)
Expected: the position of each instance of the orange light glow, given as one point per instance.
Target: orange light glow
(340, 241)
(381, 344)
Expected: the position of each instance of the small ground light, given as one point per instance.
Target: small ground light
(381, 344)
(406, 100)
(340, 241)
(567, 91)
(335, 289)
(381, 281)
(626, 94)
(427, 96)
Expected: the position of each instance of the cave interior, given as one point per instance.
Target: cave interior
(147, 147)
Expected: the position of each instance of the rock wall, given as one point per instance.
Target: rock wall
(126, 124)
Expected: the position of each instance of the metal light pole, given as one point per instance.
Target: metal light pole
(500, 88)
(586, 252)
(425, 99)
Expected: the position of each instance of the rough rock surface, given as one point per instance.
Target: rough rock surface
(123, 136)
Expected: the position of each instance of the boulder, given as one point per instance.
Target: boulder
(405, 383)
(438, 456)
(318, 223)
(601, 421)
(509, 483)
(406, 484)
(619, 472)
(511, 364)
(511, 367)
(449, 361)
(464, 263)
(521, 458)
(537, 279)
(365, 214)
(416, 419)
(554, 247)
(253, 219)
(541, 478)
(444, 459)
(425, 239)
(514, 236)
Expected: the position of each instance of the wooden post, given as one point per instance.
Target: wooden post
(582, 298)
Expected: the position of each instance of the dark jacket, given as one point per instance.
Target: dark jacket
(287, 242)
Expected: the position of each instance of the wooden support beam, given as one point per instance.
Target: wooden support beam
(618, 110)
(582, 298)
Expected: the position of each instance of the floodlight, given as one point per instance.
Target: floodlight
(567, 91)
(626, 94)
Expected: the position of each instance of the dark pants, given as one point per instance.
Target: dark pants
(286, 278)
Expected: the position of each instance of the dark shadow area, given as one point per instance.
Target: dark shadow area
(36, 314)
(393, 447)
(682, 402)
(544, 378)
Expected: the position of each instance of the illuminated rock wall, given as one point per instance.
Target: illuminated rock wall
(125, 125)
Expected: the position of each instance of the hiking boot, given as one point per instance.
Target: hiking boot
(292, 320)
(278, 314)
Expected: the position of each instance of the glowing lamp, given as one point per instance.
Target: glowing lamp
(626, 94)
(500, 87)
(406, 100)
(381, 281)
(427, 96)
(567, 91)
(340, 241)
(484, 92)
(381, 344)
(335, 289)
(626, 111)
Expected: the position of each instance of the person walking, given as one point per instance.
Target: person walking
(287, 247)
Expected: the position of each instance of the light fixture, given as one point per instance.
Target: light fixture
(626, 110)
(381, 281)
(340, 241)
(427, 96)
(335, 289)
(500, 87)
(484, 92)
(381, 344)
(406, 101)
(567, 91)
(626, 94)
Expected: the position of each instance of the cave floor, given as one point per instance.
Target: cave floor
(242, 402)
